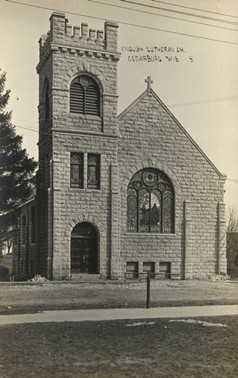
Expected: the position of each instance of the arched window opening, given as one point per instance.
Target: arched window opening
(84, 96)
(150, 202)
(84, 249)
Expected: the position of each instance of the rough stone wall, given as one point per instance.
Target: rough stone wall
(24, 250)
(73, 205)
(64, 53)
(43, 198)
(151, 137)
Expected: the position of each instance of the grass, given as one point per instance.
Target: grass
(18, 298)
(146, 348)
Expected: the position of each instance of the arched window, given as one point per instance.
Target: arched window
(150, 202)
(84, 96)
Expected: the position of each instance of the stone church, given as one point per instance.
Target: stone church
(116, 196)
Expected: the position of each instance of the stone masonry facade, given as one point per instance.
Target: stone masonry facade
(146, 136)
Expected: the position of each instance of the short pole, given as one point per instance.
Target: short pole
(148, 290)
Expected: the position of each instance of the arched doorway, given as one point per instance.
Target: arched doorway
(84, 249)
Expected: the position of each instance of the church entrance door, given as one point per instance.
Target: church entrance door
(84, 249)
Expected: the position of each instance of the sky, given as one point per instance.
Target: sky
(188, 47)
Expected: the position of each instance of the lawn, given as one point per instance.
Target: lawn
(141, 348)
(29, 297)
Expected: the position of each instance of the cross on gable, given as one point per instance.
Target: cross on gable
(149, 81)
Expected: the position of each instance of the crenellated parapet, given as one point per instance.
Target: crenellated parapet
(78, 39)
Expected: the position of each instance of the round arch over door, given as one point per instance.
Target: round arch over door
(84, 249)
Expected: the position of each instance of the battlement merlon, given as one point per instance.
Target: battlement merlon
(58, 28)
(110, 33)
(62, 33)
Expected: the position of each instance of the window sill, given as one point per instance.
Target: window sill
(89, 117)
(85, 189)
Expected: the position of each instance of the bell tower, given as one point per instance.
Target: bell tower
(78, 141)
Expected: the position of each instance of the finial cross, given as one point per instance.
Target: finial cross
(149, 81)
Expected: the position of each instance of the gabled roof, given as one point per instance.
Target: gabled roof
(31, 198)
(134, 103)
(150, 91)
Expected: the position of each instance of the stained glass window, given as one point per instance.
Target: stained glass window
(167, 210)
(155, 214)
(144, 206)
(93, 171)
(132, 210)
(76, 170)
(85, 96)
(150, 202)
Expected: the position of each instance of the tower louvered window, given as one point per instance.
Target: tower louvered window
(85, 96)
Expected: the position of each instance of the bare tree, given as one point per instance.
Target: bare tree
(9, 246)
(232, 242)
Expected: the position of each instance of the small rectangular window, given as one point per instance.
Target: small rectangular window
(93, 171)
(132, 270)
(149, 267)
(165, 269)
(76, 170)
(33, 224)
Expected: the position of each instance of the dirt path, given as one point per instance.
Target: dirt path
(99, 315)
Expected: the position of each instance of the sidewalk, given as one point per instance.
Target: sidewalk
(119, 314)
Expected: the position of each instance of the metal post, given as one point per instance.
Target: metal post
(148, 290)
